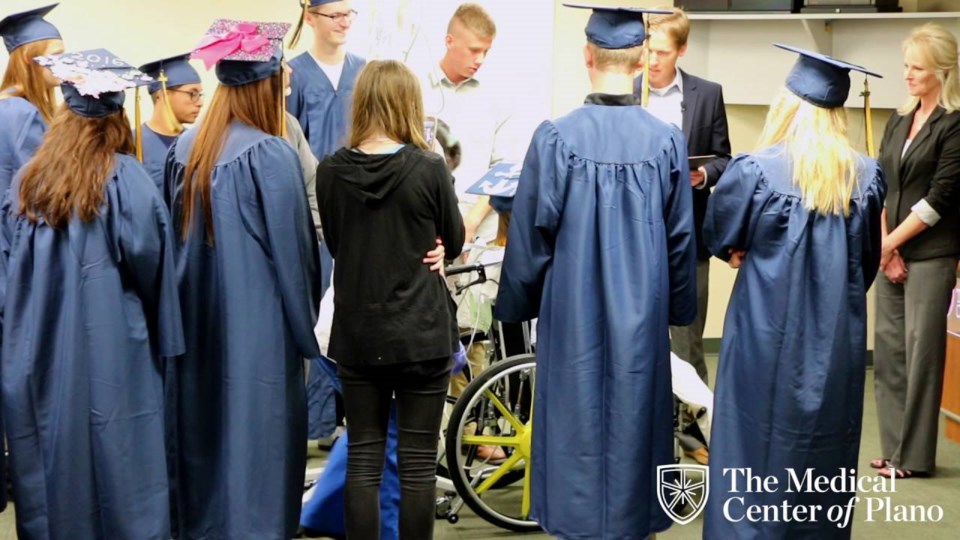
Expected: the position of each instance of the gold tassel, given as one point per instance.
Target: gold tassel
(173, 124)
(645, 92)
(139, 129)
(283, 99)
(283, 108)
(871, 150)
(299, 30)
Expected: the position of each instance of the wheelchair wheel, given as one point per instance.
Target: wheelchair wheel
(495, 411)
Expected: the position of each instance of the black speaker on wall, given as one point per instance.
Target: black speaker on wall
(851, 6)
(767, 6)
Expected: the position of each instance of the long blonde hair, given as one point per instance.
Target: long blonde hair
(937, 48)
(25, 78)
(387, 99)
(815, 139)
(254, 104)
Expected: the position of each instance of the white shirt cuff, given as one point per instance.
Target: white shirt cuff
(706, 179)
(926, 213)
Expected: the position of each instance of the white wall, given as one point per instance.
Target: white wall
(570, 85)
(537, 55)
(139, 31)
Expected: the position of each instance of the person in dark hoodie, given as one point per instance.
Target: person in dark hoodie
(385, 199)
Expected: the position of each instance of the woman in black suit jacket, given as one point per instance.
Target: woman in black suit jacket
(920, 156)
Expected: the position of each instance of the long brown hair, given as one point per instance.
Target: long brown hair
(25, 78)
(387, 99)
(255, 104)
(71, 167)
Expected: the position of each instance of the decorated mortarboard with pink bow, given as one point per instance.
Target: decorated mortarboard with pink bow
(94, 81)
(243, 51)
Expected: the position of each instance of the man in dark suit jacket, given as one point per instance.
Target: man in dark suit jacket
(696, 106)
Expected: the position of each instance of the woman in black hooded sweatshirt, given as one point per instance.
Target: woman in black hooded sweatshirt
(384, 200)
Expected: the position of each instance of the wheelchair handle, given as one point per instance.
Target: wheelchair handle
(466, 269)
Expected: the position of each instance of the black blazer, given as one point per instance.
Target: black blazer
(705, 128)
(929, 170)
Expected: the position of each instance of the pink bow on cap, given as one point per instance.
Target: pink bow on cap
(215, 47)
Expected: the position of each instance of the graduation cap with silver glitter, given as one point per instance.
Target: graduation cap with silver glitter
(94, 81)
(243, 51)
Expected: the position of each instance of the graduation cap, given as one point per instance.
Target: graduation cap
(27, 27)
(243, 51)
(621, 28)
(825, 82)
(820, 79)
(500, 184)
(617, 27)
(170, 73)
(93, 81)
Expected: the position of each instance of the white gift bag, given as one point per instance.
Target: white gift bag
(325, 320)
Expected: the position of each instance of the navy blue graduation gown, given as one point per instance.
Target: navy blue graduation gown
(22, 133)
(155, 147)
(789, 390)
(88, 310)
(18, 142)
(249, 304)
(601, 246)
(322, 110)
(324, 114)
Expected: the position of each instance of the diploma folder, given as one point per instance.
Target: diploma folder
(699, 161)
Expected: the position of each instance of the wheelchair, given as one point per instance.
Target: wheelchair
(495, 410)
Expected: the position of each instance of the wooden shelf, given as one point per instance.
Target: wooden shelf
(821, 16)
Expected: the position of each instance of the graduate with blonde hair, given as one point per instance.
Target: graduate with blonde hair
(921, 245)
(800, 217)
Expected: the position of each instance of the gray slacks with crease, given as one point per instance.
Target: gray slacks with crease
(687, 341)
(909, 357)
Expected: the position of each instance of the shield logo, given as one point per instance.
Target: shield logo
(683, 490)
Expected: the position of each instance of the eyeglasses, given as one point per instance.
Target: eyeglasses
(195, 95)
(338, 18)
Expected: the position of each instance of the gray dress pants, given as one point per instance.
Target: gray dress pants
(687, 343)
(909, 357)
